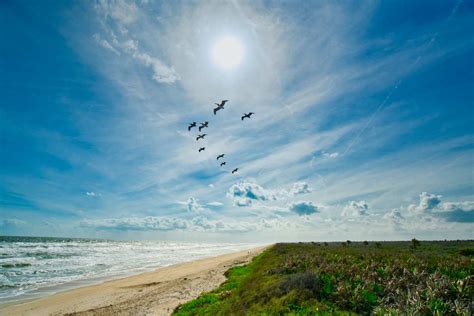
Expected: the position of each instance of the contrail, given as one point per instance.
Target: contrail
(371, 118)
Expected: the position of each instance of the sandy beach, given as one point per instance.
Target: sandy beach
(152, 293)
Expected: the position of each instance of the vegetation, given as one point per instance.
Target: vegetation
(350, 278)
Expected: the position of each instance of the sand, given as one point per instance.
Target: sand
(152, 293)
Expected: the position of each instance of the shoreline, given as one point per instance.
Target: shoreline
(156, 292)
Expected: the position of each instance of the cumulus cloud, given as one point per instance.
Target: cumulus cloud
(193, 205)
(394, 215)
(204, 224)
(137, 223)
(303, 208)
(244, 193)
(356, 208)
(461, 212)
(427, 203)
(300, 188)
(198, 223)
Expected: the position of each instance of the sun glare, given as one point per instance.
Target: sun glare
(228, 52)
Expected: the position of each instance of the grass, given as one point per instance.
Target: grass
(390, 278)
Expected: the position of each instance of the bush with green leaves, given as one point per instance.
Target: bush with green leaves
(305, 279)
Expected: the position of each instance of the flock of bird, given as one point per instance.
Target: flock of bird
(220, 106)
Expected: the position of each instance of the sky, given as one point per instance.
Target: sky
(363, 126)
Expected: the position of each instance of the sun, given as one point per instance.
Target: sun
(228, 52)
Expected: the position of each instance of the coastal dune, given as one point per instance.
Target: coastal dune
(152, 293)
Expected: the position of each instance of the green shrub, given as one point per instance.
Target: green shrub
(466, 252)
(301, 279)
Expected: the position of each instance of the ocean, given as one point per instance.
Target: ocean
(37, 266)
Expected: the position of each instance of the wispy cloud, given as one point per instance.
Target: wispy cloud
(339, 122)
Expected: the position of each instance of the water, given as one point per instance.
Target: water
(37, 266)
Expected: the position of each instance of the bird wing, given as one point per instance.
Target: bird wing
(215, 110)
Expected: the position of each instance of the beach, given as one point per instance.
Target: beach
(157, 292)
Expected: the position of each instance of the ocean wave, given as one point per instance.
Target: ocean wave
(15, 265)
(28, 265)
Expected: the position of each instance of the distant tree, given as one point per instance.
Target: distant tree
(366, 243)
(378, 245)
(326, 244)
(414, 243)
(343, 244)
(348, 242)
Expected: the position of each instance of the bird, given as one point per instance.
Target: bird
(191, 125)
(220, 106)
(200, 136)
(222, 163)
(205, 124)
(235, 170)
(248, 115)
(202, 148)
(220, 156)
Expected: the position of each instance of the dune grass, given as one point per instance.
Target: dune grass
(347, 278)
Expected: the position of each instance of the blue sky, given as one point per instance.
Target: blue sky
(363, 125)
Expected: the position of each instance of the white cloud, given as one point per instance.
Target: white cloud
(303, 208)
(205, 224)
(124, 12)
(300, 188)
(161, 72)
(92, 193)
(199, 223)
(214, 203)
(193, 206)
(432, 205)
(104, 43)
(427, 203)
(330, 155)
(356, 208)
(138, 223)
(465, 206)
(244, 193)
(394, 215)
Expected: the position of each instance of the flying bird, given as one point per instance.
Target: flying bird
(203, 125)
(222, 163)
(220, 106)
(191, 125)
(200, 136)
(220, 156)
(248, 115)
(202, 149)
(235, 170)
